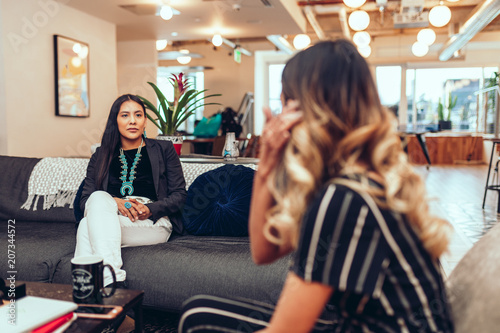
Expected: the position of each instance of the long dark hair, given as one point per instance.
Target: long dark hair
(110, 142)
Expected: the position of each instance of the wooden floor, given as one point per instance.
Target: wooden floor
(457, 194)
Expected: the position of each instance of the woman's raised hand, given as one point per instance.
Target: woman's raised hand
(276, 134)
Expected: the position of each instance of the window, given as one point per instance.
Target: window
(389, 86)
(453, 90)
(275, 71)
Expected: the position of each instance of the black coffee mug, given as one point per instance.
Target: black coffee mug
(87, 273)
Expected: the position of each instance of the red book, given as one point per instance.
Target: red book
(54, 324)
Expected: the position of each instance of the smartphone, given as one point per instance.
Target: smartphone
(98, 311)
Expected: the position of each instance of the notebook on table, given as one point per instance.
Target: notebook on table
(31, 312)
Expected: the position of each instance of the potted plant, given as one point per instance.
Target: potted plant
(446, 124)
(170, 115)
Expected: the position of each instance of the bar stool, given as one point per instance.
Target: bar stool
(495, 186)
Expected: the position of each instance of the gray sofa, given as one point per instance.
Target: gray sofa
(168, 273)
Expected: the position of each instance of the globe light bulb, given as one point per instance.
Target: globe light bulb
(354, 3)
(166, 13)
(361, 38)
(419, 49)
(161, 44)
(301, 41)
(217, 40)
(439, 16)
(426, 36)
(359, 20)
(77, 47)
(365, 51)
(84, 52)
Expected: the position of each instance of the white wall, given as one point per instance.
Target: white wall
(31, 125)
(137, 62)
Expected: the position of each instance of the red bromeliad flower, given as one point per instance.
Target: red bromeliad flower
(180, 86)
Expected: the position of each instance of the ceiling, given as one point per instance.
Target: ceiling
(253, 20)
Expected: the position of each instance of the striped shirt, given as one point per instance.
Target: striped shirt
(383, 278)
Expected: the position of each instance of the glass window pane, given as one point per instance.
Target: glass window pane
(389, 85)
(449, 89)
(275, 71)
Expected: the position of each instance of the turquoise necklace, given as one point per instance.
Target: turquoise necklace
(127, 185)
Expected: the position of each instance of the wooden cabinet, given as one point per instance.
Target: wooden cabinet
(446, 148)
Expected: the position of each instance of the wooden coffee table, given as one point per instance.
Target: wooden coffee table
(128, 299)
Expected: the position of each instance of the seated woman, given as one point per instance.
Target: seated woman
(133, 191)
(334, 186)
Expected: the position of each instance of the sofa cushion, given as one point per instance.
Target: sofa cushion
(14, 179)
(218, 202)
(39, 248)
(189, 265)
(473, 286)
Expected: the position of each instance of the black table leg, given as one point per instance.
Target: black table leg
(423, 145)
(138, 318)
(488, 177)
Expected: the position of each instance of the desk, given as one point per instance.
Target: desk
(404, 131)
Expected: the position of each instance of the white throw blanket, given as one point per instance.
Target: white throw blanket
(56, 181)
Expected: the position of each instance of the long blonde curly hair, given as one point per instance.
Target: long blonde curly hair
(345, 130)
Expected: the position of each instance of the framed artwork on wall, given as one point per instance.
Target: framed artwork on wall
(71, 69)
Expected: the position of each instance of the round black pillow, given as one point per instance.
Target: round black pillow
(218, 202)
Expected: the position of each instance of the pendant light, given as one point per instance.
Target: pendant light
(301, 41)
(354, 3)
(419, 49)
(166, 12)
(217, 40)
(440, 15)
(359, 20)
(161, 44)
(426, 36)
(361, 38)
(184, 59)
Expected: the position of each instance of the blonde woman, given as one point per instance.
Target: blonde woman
(333, 185)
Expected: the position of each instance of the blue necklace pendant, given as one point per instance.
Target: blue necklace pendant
(127, 185)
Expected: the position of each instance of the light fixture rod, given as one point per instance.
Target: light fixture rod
(480, 17)
(234, 46)
(281, 43)
(314, 23)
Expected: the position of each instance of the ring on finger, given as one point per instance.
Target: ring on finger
(128, 205)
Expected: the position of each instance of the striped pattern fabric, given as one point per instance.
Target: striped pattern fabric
(383, 278)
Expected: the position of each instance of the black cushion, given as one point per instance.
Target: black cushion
(218, 202)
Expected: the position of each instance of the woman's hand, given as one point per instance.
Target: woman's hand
(273, 140)
(138, 211)
(275, 136)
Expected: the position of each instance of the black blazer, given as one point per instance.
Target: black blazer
(168, 179)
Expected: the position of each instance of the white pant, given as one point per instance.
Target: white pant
(103, 231)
